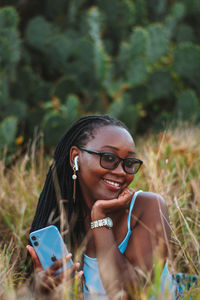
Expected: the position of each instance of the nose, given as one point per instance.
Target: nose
(119, 170)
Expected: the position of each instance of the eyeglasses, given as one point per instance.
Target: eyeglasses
(111, 161)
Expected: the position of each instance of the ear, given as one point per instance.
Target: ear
(74, 151)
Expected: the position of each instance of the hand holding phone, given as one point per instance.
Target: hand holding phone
(52, 261)
(49, 247)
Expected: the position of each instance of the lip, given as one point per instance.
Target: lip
(114, 185)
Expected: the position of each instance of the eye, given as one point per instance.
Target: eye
(109, 157)
(130, 162)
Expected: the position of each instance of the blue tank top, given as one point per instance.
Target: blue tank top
(95, 289)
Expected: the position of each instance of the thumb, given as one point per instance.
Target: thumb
(36, 262)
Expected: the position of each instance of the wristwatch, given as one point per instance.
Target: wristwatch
(106, 222)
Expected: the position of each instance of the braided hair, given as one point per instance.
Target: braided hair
(57, 193)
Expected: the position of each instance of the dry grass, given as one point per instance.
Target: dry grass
(171, 168)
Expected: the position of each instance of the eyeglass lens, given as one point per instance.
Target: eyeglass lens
(111, 161)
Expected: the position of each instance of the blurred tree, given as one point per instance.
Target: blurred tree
(136, 59)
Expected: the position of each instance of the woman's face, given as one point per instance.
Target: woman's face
(97, 183)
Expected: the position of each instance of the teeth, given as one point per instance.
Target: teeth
(113, 183)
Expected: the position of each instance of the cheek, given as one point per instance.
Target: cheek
(90, 164)
(130, 178)
(90, 169)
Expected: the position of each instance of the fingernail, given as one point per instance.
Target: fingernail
(80, 274)
(69, 255)
(77, 265)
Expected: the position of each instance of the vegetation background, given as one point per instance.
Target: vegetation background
(137, 60)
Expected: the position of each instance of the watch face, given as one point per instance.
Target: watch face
(109, 222)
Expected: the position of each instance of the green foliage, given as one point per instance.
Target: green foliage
(9, 48)
(8, 128)
(165, 86)
(38, 32)
(100, 56)
(187, 107)
(187, 60)
(9, 40)
(54, 9)
(178, 11)
(138, 41)
(158, 42)
(116, 108)
(176, 14)
(9, 59)
(184, 33)
(8, 18)
(3, 93)
(125, 110)
(133, 59)
(58, 117)
(57, 52)
(193, 7)
(16, 108)
(137, 72)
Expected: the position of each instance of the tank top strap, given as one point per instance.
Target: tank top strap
(131, 208)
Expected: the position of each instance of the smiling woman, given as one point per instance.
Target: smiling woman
(99, 178)
(86, 193)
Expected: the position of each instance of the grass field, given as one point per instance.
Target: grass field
(171, 168)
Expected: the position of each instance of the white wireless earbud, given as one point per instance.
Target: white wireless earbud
(74, 176)
(76, 163)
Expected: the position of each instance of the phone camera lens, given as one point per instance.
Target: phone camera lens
(53, 258)
(33, 238)
(36, 243)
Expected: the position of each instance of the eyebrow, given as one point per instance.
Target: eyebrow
(115, 148)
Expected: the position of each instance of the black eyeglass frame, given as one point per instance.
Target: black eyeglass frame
(117, 163)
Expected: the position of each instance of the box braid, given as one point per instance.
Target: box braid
(48, 208)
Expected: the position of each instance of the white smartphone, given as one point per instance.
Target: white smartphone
(49, 246)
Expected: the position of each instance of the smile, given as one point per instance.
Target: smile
(113, 184)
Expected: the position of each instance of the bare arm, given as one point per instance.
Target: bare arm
(117, 270)
(151, 234)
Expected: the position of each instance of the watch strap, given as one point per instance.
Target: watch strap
(106, 222)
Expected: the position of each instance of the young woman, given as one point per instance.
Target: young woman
(86, 193)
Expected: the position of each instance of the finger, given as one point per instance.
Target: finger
(36, 261)
(66, 274)
(127, 194)
(58, 264)
(43, 283)
(48, 283)
(77, 276)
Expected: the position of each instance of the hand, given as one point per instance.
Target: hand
(46, 280)
(101, 208)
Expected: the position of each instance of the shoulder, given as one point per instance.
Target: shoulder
(149, 199)
(150, 207)
(150, 228)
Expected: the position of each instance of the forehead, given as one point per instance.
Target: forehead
(113, 136)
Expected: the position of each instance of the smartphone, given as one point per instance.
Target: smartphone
(49, 246)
